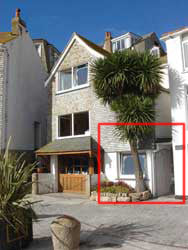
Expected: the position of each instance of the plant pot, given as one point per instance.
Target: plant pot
(11, 240)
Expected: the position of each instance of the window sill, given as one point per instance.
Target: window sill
(128, 178)
(73, 89)
(72, 136)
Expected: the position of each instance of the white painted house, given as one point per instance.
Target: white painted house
(23, 98)
(74, 114)
(177, 52)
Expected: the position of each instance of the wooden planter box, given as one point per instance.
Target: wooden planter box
(11, 240)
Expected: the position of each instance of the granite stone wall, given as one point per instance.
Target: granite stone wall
(82, 100)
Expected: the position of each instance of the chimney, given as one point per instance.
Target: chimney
(18, 25)
(107, 43)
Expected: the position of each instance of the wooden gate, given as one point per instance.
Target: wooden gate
(72, 183)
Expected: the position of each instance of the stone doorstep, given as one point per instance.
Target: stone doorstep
(121, 197)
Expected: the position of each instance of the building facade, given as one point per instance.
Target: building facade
(73, 127)
(23, 98)
(177, 51)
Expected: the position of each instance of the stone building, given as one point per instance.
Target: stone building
(73, 117)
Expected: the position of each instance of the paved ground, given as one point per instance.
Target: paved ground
(109, 227)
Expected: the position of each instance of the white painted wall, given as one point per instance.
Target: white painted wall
(111, 166)
(112, 169)
(54, 172)
(178, 82)
(27, 97)
(163, 114)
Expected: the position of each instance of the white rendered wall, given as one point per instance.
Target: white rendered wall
(163, 114)
(112, 168)
(27, 96)
(178, 82)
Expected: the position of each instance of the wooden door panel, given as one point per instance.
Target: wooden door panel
(72, 183)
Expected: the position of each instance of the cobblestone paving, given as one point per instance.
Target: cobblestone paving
(109, 227)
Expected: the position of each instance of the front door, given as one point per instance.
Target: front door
(72, 173)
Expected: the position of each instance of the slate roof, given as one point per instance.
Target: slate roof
(86, 143)
(94, 46)
(6, 37)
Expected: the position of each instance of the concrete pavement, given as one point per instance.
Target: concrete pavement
(109, 227)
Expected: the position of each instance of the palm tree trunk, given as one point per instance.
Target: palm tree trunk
(140, 187)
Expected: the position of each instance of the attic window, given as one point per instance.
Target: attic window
(38, 48)
(73, 78)
(120, 44)
(155, 51)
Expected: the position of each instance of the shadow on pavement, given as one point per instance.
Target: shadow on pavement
(114, 236)
(41, 244)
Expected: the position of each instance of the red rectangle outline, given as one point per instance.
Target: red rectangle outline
(144, 202)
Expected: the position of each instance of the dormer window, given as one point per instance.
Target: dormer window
(38, 48)
(185, 50)
(73, 78)
(155, 51)
(121, 44)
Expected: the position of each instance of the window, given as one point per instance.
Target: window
(185, 50)
(38, 48)
(73, 78)
(155, 51)
(127, 164)
(120, 44)
(65, 80)
(73, 124)
(65, 125)
(81, 123)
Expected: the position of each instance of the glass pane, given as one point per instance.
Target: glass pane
(81, 123)
(118, 45)
(127, 167)
(65, 80)
(81, 75)
(122, 44)
(185, 51)
(65, 125)
(113, 47)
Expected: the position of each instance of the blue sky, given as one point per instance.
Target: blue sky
(56, 20)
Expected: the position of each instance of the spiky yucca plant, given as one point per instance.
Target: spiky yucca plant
(15, 185)
(129, 82)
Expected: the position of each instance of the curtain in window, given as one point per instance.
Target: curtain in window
(81, 75)
(65, 80)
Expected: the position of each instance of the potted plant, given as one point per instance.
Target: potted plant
(16, 213)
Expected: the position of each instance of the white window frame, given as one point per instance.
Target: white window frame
(72, 136)
(39, 50)
(72, 81)
(157, 49)
(130, 176)
(183, 54)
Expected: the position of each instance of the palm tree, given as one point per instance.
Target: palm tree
(129, 82)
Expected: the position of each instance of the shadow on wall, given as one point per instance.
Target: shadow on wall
(177, 90)
(113, 236)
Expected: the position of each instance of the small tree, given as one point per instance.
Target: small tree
(129, 82)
